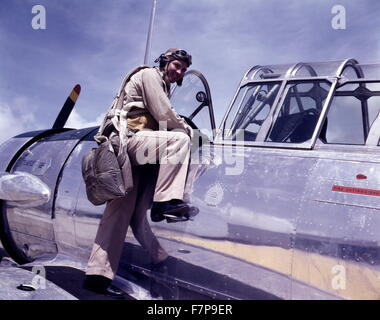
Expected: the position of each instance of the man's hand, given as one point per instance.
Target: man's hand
(189, 131)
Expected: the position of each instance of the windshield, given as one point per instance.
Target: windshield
(353, 111)
(299, 112)
(193, 101)
(249, 110)
(291, 106)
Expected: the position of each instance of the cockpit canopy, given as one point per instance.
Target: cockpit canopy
(336, 102)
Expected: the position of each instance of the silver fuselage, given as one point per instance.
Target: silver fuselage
(280, 216)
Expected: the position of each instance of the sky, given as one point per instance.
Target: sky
(94, 43)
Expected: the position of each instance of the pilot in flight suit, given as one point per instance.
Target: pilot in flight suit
(160, 136)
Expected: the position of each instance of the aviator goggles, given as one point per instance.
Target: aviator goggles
(178, 54)
(182, 54)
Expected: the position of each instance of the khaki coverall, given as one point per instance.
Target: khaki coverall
(145, 91)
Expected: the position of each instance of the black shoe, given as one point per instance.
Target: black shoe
(172, 208)
(102, 285)
(155, 215)
(114, 292)
(192, 212)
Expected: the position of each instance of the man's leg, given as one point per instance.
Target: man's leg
(109, 241)
(139, 223)
(172, 151)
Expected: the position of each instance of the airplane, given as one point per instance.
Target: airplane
(287, 189)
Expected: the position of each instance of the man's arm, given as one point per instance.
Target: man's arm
(158, 103)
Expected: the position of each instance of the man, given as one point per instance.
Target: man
(161, 136)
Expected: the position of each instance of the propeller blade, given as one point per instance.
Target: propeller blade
(67, 108)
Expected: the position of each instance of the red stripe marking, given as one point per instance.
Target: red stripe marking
(366, 192)
(77, 89)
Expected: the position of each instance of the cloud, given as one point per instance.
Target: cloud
(95, 45)
(13, 120)
(77, 121)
